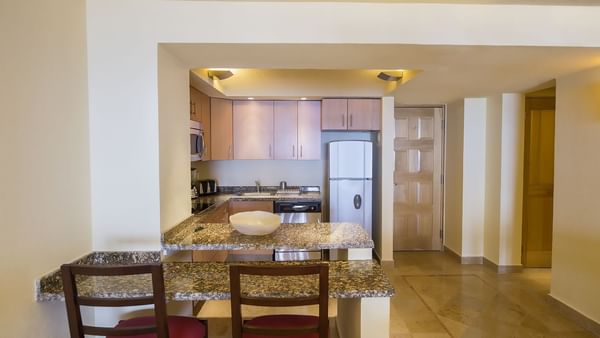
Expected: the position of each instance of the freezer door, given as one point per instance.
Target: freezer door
(350, 201)
(350, 159)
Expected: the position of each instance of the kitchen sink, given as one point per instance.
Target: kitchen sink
(257, 194)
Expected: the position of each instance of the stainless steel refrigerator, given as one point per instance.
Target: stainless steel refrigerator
(351, 182)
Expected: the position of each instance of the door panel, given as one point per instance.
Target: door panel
(334, 114)
(348, 160)
(309, 130)
(538, 182)
(253, 130)
(221, 125)
(417, 179)
(345, 209)
(285, 129)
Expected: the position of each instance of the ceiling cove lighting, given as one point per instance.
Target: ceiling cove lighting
(389, 77)
(220, 74)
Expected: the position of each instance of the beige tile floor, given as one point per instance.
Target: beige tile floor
(437, 297)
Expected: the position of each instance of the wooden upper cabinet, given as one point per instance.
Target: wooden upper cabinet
(334, 114)
(285, 130)
(253, 130)
(221, 129)
(195, 105)
(309, 130)
(200, 111)
(364, 114)
(351, 114)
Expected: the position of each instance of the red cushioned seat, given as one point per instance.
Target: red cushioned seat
(179, 327)
(275, 321)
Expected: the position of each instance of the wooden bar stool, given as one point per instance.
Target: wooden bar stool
(158, 326)
(300, 326)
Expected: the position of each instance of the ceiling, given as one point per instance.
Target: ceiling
(437, 74)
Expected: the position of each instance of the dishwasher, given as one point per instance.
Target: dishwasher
(298, 212)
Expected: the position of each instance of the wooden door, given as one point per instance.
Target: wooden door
(285, 130)
(364, 114)
(334, 114)
(417, 179)
(538, 192)
(252, 130)
(221, 129)
(309, 130)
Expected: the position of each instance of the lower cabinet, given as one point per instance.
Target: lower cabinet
(239, 206)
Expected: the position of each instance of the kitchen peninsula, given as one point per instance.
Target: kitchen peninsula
(359, 285)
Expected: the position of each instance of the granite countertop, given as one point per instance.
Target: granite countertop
(210, 230)
(196, 235)
(186, 281)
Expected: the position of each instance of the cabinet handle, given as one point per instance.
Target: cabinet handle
(301, 151)
(293, 151)
(229, 153)
(350, 120)
(270, 151)
(343, 121)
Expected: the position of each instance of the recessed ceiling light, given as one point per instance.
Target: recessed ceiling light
(250, 98)
(302, 98)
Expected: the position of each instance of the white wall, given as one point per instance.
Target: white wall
(453, 188)
(511, 187)
(45, 173)
(388, 133)
(576, 239)
(504, 179)
(473, 208)
(174, 124)
(492, 178)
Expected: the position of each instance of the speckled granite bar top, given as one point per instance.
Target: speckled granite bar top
(47, 286)
(193, 234)
(210, 281)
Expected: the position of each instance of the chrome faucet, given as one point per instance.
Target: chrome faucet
(257, 186)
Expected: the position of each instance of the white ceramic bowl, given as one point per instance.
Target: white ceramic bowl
(255, 222)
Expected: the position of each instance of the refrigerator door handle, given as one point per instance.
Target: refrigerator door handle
(357, 201)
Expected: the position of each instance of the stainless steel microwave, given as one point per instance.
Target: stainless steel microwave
(197, 144)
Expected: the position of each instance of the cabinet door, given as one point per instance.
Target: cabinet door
(221, 116)
(334, 114)
(195, 105)
(309, 130)
(203, 110)
(285, 118)
(364, 114)
(252, 130)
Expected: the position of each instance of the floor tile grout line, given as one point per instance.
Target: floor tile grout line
(426, 305)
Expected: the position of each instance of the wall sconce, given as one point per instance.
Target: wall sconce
(389, 77)
(220, 74)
